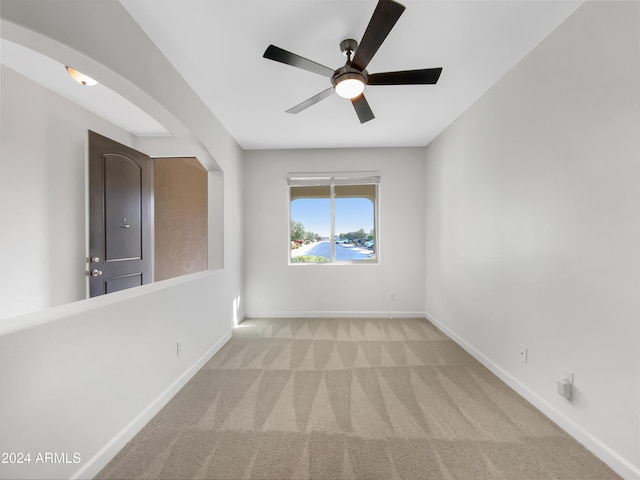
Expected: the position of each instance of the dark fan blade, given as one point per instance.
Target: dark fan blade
(311, 101)
(426, 76)
(362, 108)
(279, 55)
(384, 17)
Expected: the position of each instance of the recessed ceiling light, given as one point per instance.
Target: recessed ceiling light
(81, 77)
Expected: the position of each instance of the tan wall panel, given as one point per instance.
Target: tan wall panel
(180, 217)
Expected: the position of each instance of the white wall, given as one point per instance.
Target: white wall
(274, 288)
(533, 231)
(43, 143)
(86, 376)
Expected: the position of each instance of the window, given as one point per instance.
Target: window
(333, 218)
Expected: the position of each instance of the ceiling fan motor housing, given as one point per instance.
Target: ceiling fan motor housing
(346, 73)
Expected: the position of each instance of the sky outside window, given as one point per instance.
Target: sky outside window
(352, 214)
(314, 214)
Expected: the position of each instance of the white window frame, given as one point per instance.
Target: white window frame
(332, 179)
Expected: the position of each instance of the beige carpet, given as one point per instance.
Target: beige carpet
(349, 398)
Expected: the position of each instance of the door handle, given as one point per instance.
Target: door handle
(95, 272)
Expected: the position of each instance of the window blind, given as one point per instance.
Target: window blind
(338, 178)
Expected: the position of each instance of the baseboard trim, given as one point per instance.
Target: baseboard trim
(619, 464)
(94, 465)
(334, 314)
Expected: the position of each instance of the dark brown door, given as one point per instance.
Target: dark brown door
(120, 216)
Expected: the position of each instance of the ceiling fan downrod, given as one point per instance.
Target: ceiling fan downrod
(347, 47)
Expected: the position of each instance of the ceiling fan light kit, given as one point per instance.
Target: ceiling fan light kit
(350, 80)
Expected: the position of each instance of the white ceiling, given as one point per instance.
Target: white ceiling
(217, 45)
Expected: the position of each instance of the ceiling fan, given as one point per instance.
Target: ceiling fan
(349, 80)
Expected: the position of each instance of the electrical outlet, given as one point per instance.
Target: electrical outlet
(564, 389)
(523, 354)
(178, 348)
(565, 385)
